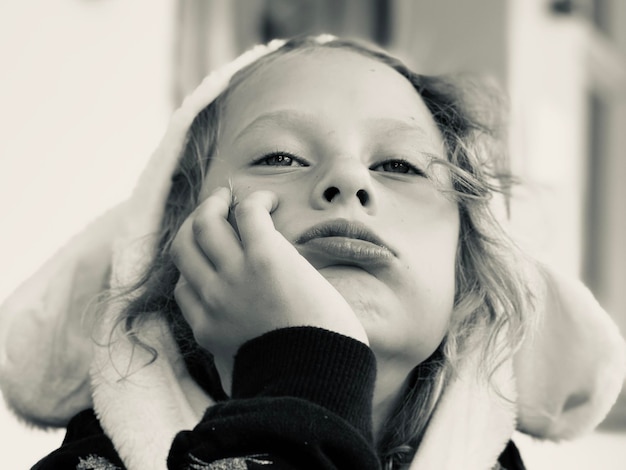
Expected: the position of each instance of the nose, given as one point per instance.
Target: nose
(345, 182)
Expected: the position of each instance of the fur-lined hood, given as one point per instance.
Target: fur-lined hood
(563, 381)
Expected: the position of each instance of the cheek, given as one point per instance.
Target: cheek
(429, 242)
(427, 299)
(428, 232)
(430, 279)
(218, 175)
(244, 185)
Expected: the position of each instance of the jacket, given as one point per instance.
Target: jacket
(301, 398)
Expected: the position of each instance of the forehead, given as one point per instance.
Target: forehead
(330, 84)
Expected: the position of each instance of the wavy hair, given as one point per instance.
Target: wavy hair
(491, 300)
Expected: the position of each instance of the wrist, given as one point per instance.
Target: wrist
(321, 366)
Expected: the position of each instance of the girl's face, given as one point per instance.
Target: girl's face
(345, 142)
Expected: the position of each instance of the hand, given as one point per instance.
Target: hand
(236, 287)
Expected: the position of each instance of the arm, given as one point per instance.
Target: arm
(241, 280)
(232, 268)
(301, 399)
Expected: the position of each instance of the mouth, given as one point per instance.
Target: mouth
(345, 242)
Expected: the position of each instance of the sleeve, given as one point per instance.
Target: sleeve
(301, 399)
(85, 447)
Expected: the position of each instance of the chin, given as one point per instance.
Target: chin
(366, 294)
(373, 303)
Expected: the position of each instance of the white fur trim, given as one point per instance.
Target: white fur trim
(143, 413)
(472, 422)
(45, 327)
(142, 405)
(571, 370)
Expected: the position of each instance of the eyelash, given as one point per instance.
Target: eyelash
(263, 161)
(411, 169)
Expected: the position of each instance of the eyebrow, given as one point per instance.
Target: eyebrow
(291, 118)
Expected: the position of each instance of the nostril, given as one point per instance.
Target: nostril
(363, 196)
(330, 193)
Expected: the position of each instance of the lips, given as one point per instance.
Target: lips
(346, 242)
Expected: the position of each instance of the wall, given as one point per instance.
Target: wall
(451, 36)
(84, 100)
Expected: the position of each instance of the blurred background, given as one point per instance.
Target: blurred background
(88, 86)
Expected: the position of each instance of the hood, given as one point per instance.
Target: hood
(566, 376)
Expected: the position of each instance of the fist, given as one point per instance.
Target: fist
(236, 285)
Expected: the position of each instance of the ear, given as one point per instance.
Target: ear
(571, 369)
(45, 327)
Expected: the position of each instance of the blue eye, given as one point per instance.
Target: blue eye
(280, 159)
(397, 166)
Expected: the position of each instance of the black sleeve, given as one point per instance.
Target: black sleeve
(301, 399)
(85, 447)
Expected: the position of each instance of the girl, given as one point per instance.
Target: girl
(327, 287)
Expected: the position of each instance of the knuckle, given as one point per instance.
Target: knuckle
(207, 296)
(204, 215)
(261, 261)
(211, 206)
(229, 272)
(204, 336)
(199, 225)
(245, 207)
(179, 241)
(179, 291)
(182, 296)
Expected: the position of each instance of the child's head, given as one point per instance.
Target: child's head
(341, 132)
(342, 138)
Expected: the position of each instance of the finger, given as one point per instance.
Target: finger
(213, 233)
(254, 219)
(193, 309)
(191, 261)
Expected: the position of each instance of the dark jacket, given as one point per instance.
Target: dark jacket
(301, 399)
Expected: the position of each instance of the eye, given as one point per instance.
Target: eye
(280, 159)
(397, 166)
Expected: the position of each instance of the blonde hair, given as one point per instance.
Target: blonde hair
(491, 300)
